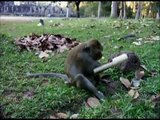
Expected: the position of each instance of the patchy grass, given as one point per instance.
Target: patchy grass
(51, 95)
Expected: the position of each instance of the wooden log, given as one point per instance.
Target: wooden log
(115, 61)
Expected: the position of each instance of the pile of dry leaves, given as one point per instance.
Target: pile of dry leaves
(45, 43)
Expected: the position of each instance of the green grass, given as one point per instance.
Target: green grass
(58, 97)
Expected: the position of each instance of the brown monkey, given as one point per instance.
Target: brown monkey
(79, 66)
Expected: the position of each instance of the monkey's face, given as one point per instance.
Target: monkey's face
(96, 49)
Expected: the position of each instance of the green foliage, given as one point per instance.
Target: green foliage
(129, 12)
(90, 9)
(54, 95)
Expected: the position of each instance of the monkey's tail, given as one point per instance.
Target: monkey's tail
(58, 75)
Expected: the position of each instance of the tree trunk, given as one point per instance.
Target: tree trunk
(138, 14)
(121, 10)
(124, 10)
(158, 13)
(114, 9)
(77, 6)
(67, 13)
(99, 9)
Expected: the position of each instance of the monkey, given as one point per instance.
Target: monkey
(42, 22)
(79, 66)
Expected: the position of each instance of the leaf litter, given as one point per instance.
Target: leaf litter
(46, 43)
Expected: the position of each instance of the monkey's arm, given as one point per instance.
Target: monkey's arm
(89, 61)
(115, 61)
(59, 75)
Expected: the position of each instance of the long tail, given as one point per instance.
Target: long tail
(59, 75)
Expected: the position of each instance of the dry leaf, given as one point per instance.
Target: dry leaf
(152, 72)
(86, 105)
(139, 74)
(133, 93)
(93, 102)
(62, 115)
(144, 67)
(63, 48)
(155, 37)
(139, 39)
(74, 116)
(137, 43)
(136, 95)
(125, 82)
(53, 117)
(48, 51)
(43, 55)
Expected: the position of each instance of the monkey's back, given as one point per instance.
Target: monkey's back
(73, 58)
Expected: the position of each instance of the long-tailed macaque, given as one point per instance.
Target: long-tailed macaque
(79, 66)
(42, 22)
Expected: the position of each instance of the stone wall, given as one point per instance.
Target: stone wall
(30, 9)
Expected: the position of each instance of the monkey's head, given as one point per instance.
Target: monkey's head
(95, 49)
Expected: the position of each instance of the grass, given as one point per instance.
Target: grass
(51, 95)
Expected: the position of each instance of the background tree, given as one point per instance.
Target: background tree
(99, 9)
(68, 7)
(77, 7)
(158, 11)
(138, 13)
(124, 10)
(121, 10)
(114, 9)
(89, 9)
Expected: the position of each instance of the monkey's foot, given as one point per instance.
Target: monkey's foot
(100, 96)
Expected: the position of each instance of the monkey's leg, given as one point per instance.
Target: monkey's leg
(83, 82)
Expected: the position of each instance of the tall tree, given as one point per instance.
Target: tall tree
(99, 8)
(138, 13)
(158, 11)
(121, 10)
(114, 9)
(77, 7)
(68, 7)
(124, 10)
